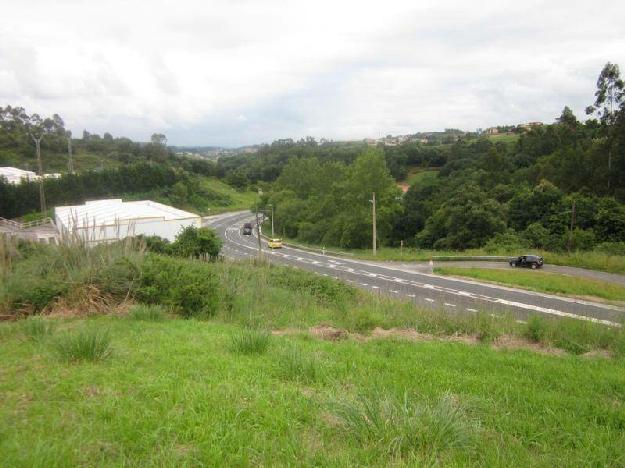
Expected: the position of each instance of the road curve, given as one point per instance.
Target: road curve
(422, 288)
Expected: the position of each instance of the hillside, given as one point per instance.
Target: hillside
(173, 361)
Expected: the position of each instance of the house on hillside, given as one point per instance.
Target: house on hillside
(110, 220)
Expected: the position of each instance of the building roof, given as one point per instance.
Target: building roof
(14, 171)
(115, 211)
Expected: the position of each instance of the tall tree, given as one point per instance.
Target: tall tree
(610, 94)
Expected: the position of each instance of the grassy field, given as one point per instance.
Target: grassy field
(504, 138)
(183, 392)
(420, 176)
(277, 366)
(542, 281)
(222, 198)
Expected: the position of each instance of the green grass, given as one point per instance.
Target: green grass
(421, 176)
(174, 394)
(84, 345)
(223, 198)
(542, 281)
(37, 328)
(504, 138)
(250, 341)
(149, 313)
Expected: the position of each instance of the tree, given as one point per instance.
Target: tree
(158, 139)
(610, 94)
(197, 243)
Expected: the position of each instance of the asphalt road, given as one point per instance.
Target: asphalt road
(422, 288)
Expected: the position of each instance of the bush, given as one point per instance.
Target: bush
(120, 278)
(148, 313)
(191, 288)
(508, 241)
(88, 345)
(250, 341)
(193, 242)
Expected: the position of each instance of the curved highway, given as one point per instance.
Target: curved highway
(422, 288)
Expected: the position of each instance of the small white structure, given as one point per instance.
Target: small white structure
(15, 176)
(111, 220)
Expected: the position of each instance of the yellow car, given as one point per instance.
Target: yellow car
(274, 243)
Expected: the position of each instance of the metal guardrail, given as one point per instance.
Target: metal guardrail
(484, 258)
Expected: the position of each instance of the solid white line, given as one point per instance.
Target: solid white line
(449, 305)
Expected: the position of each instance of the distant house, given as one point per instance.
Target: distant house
(16, 176)
(491, 131)
(110, 220)
(530, 125)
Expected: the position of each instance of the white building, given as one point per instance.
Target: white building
(110, 220)
(15, 176)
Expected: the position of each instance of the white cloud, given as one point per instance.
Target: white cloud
(238, 72)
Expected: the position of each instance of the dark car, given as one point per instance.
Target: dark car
(247, 229)
(527, 261)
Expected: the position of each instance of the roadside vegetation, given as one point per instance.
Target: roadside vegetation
(156, 359)
(542, 281)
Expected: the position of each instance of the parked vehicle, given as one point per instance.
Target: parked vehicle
(247, 229)
(527, 261)
(274, 243)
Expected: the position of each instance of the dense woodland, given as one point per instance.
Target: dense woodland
(558, 186)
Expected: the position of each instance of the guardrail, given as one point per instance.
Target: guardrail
(21, 226)
(478, 258)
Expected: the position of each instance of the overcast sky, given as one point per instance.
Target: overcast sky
(239, 72)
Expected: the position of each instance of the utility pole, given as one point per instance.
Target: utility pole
(70, 161)
(42, 196)
(375, 233)
(260, 245)
(272, 234)
(572, 225)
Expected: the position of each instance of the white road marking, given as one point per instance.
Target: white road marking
(429, 300)
(471, 310)
(449, 305)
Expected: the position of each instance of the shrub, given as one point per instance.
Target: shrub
(148, 313)
(508, 241)
(191, 288)
(87, 345)
(407, 427)
(120, 278)
(250, 341)
(197, 243)
(37, 328)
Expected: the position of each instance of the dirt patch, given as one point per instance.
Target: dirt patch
(287, 331)
(328, 333)
(598, 353)
(514, 343)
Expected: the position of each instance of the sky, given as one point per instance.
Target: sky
(241, 72)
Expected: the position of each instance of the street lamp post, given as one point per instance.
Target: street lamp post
(272, 233)
(374, 233)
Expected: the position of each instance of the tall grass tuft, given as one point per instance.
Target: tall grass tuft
(407, 427)
(87, 345)
(37, 328)
(147, 313)
(293, 364)
(250, 341)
